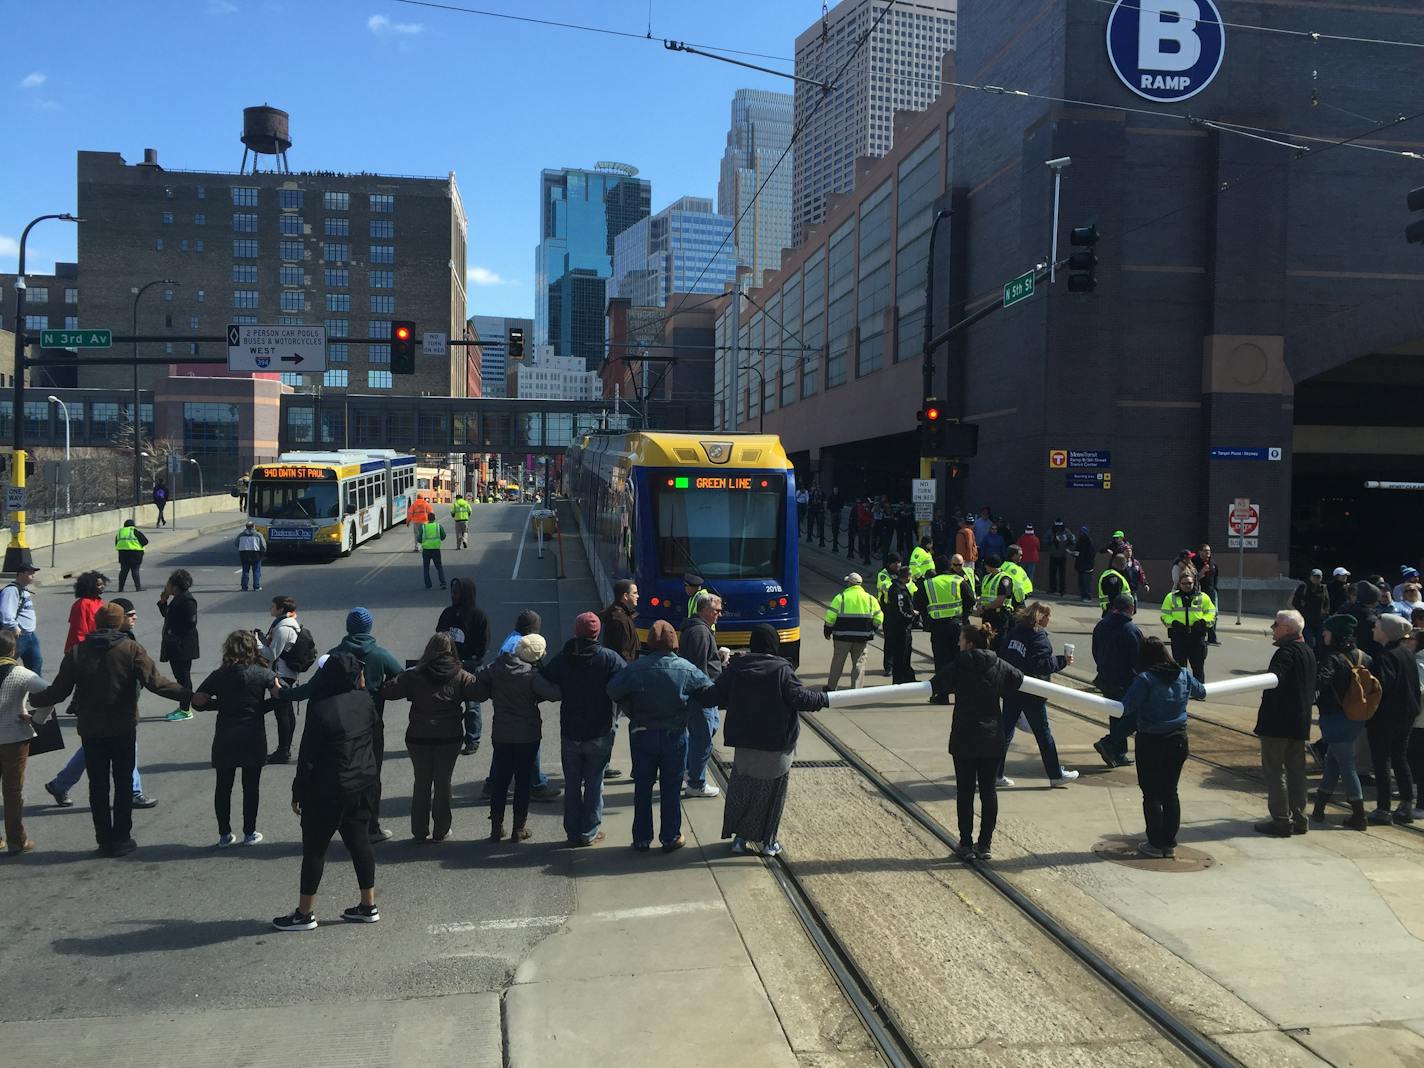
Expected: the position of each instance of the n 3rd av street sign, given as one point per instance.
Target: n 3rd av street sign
(1021, 288)
(76, 339)
(288, 349)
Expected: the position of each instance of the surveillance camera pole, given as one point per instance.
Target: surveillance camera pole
(1057, 165)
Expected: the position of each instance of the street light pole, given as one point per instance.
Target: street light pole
(137, 408)
(17, 553)
(68, 478)
(761, 400)
(201, 492)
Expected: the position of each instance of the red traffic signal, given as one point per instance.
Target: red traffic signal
(402, 333)
(931, 414)
(403, 347)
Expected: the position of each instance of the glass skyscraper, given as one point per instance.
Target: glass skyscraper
(759, 135)
(685, 248)
(582, 213)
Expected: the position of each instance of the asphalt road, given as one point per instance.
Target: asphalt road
(179, 926)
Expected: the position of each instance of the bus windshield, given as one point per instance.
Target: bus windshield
(293, 500)
(724, 533)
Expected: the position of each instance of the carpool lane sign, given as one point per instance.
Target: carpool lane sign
(1166, 50)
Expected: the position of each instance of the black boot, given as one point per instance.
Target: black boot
(1322, 799)
(1356, 820)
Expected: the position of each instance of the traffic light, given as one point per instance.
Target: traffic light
(931, 419)
(515, 349)
(402, 347)
(1414, 232)
(1083, 264)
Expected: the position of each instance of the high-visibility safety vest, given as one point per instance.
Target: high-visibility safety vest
(1187, 610)
(419, 511)
(460, 511)
(126, 540)
(1102, 593)
(431, 535)
(945, 595)
(884, 580)
(920, 562)
(989, 588)
(854, 615)
(1023, 585)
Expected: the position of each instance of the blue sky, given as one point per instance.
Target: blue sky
(381, 86)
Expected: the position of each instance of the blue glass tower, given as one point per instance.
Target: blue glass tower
(684, 248)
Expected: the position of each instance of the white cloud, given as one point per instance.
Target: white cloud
(33, 80)
(221, 7)
(483, 276)
(384, 27)
(9, 246)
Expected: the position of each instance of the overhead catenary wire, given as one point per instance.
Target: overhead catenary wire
(1313, 35)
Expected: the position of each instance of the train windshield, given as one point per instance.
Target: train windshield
(293, 500)
(725, 527)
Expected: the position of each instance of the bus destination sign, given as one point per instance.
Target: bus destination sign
(295, 472)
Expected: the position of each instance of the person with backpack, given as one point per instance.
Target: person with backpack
(1283, 725)
(1389, 728)
(290, 648)
(1348, 697)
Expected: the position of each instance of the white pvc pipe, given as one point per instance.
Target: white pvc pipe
(874, 695)
(1249, 683)
(1051, 691)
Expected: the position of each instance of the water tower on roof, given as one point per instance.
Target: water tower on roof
(265, 132)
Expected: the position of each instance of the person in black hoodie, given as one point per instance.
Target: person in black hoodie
(1389, 728)
(331, 792)
(1029, 647)
(979, 681)
(465, 621)
(582, 671)
(763, 698)
(179, 609)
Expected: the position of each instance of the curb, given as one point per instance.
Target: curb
(97, 560)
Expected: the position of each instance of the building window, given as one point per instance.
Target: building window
(300, 421)
(192, 348)
(336, 201)
(167, 218)
(183, 245)
(103, 420)
(244, 298)
(337, 277)
(379, 355)
(338, 302)
(290, 225)
(337, 327)
(168, 192)
(381, 279)
(244, 196)
(244, 320)
(293, 379)
(383, 305)
(289, 198)
(168, 348)
(210, 427)
(37, 322)
(198, 245)
(192, 322)
(71, 322)
(340, 352)
(71, 296)
(244, 249)
(199, 219)
(383, 202)
(290, 320)
(37, 295)
(244, 222)
(289, 275)
(168, 296)
(158, 244)
(202, 193)
(202, 296)
(335, 251)
(378, 380)
(378, 328)
(383, 228)
(244, 272)
(337, 226)
(335, 379)
(290, 250)
(383, 254)
(293, 300)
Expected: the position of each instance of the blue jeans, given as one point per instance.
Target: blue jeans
(1035, 710)
(27, 650)
(70, 773)
(1340, 765)
(474, 723)
(428, 556)
(658, 757)
(537, 779)
(255, 567)
(583, 784)
(702, 724)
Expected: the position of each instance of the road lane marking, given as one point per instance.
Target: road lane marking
(523, 541)
(516, 923)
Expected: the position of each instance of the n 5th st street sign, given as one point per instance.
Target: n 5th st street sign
(76, 339)
(1021, 288)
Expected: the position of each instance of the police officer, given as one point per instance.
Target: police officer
(899, 622)
(1023, 585)
(884, 583)
(129, 542)
(460, 513)
(431, 534)
(851, 621)
(941, 604)
(921, 562)
(996, 596)
(691, 586)
(1112, 582)
(1188, 614)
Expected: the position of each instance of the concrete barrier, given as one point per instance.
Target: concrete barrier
(79, 527)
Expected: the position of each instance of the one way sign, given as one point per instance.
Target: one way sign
(276, 348)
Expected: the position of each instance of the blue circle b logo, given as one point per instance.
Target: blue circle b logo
(1166, 50)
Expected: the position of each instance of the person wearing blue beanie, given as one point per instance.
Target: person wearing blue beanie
(359, 621)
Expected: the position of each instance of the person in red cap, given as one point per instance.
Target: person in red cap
(582, 671)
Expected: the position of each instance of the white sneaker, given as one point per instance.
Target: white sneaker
(226, 840)
(706, 790)
(1064, 779)
(252, 839)
(1003, 780)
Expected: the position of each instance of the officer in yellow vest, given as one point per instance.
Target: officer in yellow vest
(883, 583)
(996, 596)
(1023, 585)
(852, 619)
(1188, 614)
(129, 541)
(921, 562)
(460, 513)
(431, 534)
(943, 606)
(1112, 582)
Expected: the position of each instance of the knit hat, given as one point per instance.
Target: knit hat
(124, 603)
(587, 625)
(662, 636)
(1340, 626)
(531, 648)
(110, 617)
(1394, 627)
(764, 639)
(359, 621)
(1028, 529)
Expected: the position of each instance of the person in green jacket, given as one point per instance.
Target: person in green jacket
(431, 534)
(460, 513)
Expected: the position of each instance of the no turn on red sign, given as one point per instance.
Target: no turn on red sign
(1243, 524)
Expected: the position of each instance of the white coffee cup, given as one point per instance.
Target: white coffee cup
(1068, 649)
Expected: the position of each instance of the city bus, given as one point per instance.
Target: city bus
(327, 503)
(653, 506)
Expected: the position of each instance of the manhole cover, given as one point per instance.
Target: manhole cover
(1122, 849)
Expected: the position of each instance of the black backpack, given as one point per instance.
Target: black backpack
(301, 654)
